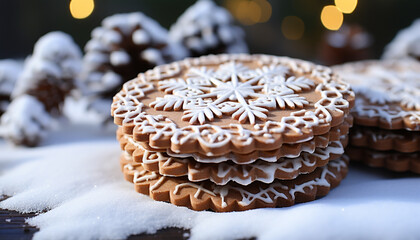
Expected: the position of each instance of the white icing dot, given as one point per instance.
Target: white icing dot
(267, 135)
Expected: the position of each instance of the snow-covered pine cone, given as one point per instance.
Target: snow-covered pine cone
(50, 73)
(205, 28)
(122, 47)
(9, 73)
(48, 77)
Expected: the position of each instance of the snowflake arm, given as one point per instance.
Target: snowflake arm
(250, 112)
(180, 87)
(299, 84)
(167, 103)
(242, 112)
(292, 101)
(233, 89)
(283, 101)
(171, 85)
(201, 113)
(268, 73)
(226, 70)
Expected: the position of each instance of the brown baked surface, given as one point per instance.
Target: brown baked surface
(223, 103)
(233, 197)
(286, 150)
(385, 140)
(391, 160)
(245, 174)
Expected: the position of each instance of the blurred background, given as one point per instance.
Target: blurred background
(297, 28)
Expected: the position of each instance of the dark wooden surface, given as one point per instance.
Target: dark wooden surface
(13, 226)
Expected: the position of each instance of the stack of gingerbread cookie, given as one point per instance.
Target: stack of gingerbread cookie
(387, 113)
(234, 132)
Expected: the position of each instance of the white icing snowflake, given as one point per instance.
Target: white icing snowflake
(233, 89)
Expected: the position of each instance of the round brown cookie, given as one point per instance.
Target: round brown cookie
(222, 173)
(205, 28)
(385, 140)
(233, 197)
(287, 150)
(391, 160)
(223, 103)
(388, 93)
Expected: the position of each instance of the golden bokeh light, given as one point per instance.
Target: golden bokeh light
(80, 9)
(331, 17)
(346, 6)
(250, 12)
(292, 27)
(266, 10)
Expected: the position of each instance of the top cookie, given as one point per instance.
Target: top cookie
(220, 103)
(388, 93)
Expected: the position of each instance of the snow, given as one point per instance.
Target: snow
(76, 175)
(119, 58)
(25, 121)
(203, 18)
(55, 56)
(9, 73)
(406, 44)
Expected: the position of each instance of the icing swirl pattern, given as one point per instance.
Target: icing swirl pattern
(233, 197)
(222, 103)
